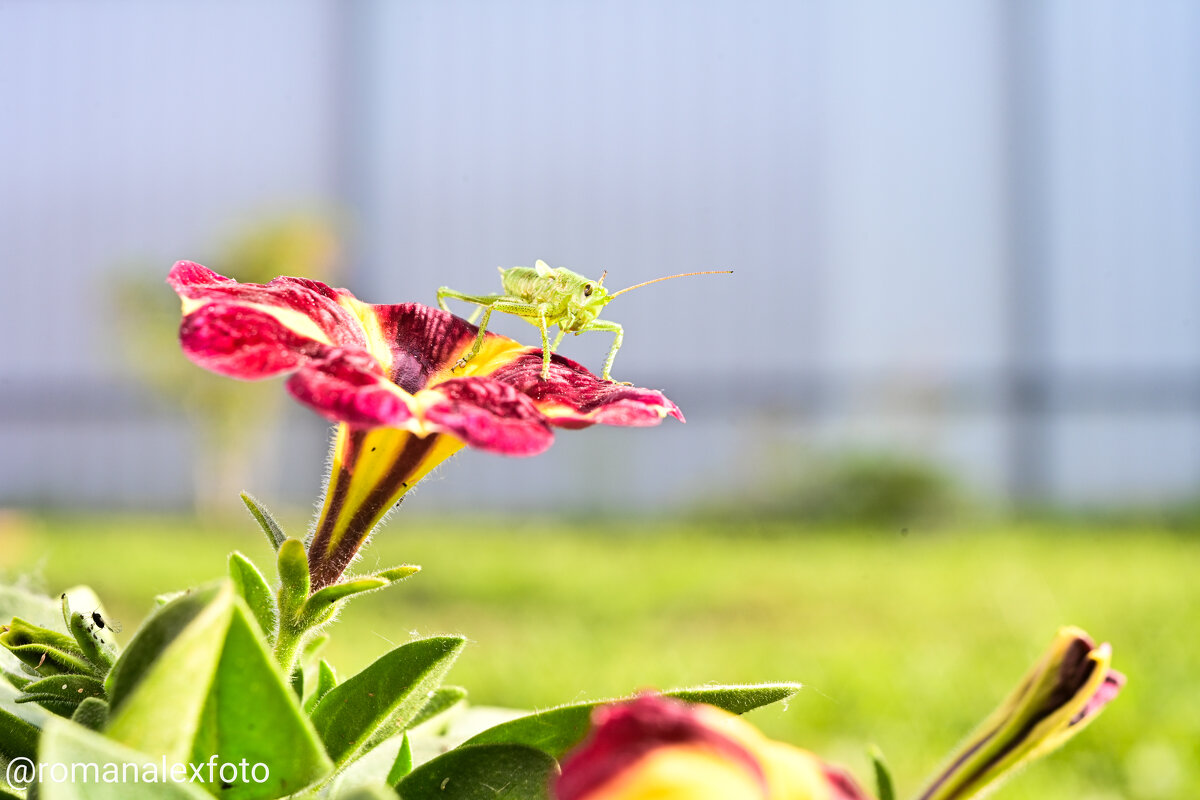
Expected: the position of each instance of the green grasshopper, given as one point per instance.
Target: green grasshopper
(543, 297)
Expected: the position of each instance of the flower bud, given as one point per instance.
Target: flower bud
(654, 748)
(1061, 694)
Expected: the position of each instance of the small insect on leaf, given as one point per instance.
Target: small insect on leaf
(101, 623)
(546, 297)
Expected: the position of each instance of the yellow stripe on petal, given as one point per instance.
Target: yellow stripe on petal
(377, 343)
(295, 321)
(371, 471)
(496, 353)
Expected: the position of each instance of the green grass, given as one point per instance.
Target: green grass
(904, 641)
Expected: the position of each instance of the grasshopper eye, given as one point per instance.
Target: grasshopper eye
(587, 290)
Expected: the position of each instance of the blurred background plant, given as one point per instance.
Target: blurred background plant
(884, 490)
(233, 423)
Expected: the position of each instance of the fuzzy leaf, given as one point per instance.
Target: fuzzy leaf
(403, 764)
(395, 687)
(322, 601)
(557, 730)
(326, 680)
(47, 651)
(153, 639)
(211, 686)
(67, 744)
(293, 577)
(14, 680)
(255, 590)
(94, 642)
(92, 714)
(20, 724)
(62, 694)
(252, 714)
(482, 772)
(393, 574)
(18, 737)
(265, 520)
(442, 700)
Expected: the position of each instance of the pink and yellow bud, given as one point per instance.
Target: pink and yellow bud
(654, 748)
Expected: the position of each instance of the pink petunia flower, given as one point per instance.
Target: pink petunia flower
(387, 375)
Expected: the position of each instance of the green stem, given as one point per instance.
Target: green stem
(289, 639)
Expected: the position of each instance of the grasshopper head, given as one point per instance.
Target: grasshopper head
(587, 300)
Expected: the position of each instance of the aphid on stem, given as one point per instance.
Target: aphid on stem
(544, 297)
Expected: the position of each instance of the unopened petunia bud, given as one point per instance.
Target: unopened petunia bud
(1061, 694)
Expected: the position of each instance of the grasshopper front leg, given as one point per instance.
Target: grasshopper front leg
(532, 312)
(619, 336)
(483, 302)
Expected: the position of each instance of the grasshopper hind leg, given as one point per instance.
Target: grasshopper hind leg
(618, 337)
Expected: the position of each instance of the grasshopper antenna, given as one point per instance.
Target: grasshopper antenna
(669, 277)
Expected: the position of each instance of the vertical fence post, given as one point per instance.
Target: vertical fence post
(1028, 306)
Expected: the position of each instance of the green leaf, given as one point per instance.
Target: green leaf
(209, 686)
(366, 793)
(62, 694)
(18, 736)
(326, 680)
(557, 730)
(161, 683)
(92, 714)
(153, 639)
(394, 574)
(482, 772)
(47, 651)
(96, 643)
(265, 520)
(292, 564)
(313, 646)
(20, 724)
(252, 714)
(883, 776)
(403, 763)
(74, 747)
(255, 590)
(14, 680)
(390, 691)
(442, 700)
(322, 601)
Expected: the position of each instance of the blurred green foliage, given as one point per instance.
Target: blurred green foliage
(906, 641)
(230, 419)
(857, 488)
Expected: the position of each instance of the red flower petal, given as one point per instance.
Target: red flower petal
(490, 415)
(572, 397)
(348, 386)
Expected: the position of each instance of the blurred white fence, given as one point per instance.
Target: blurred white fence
(962, 229)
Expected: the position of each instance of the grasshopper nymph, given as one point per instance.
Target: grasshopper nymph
(543, 297)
